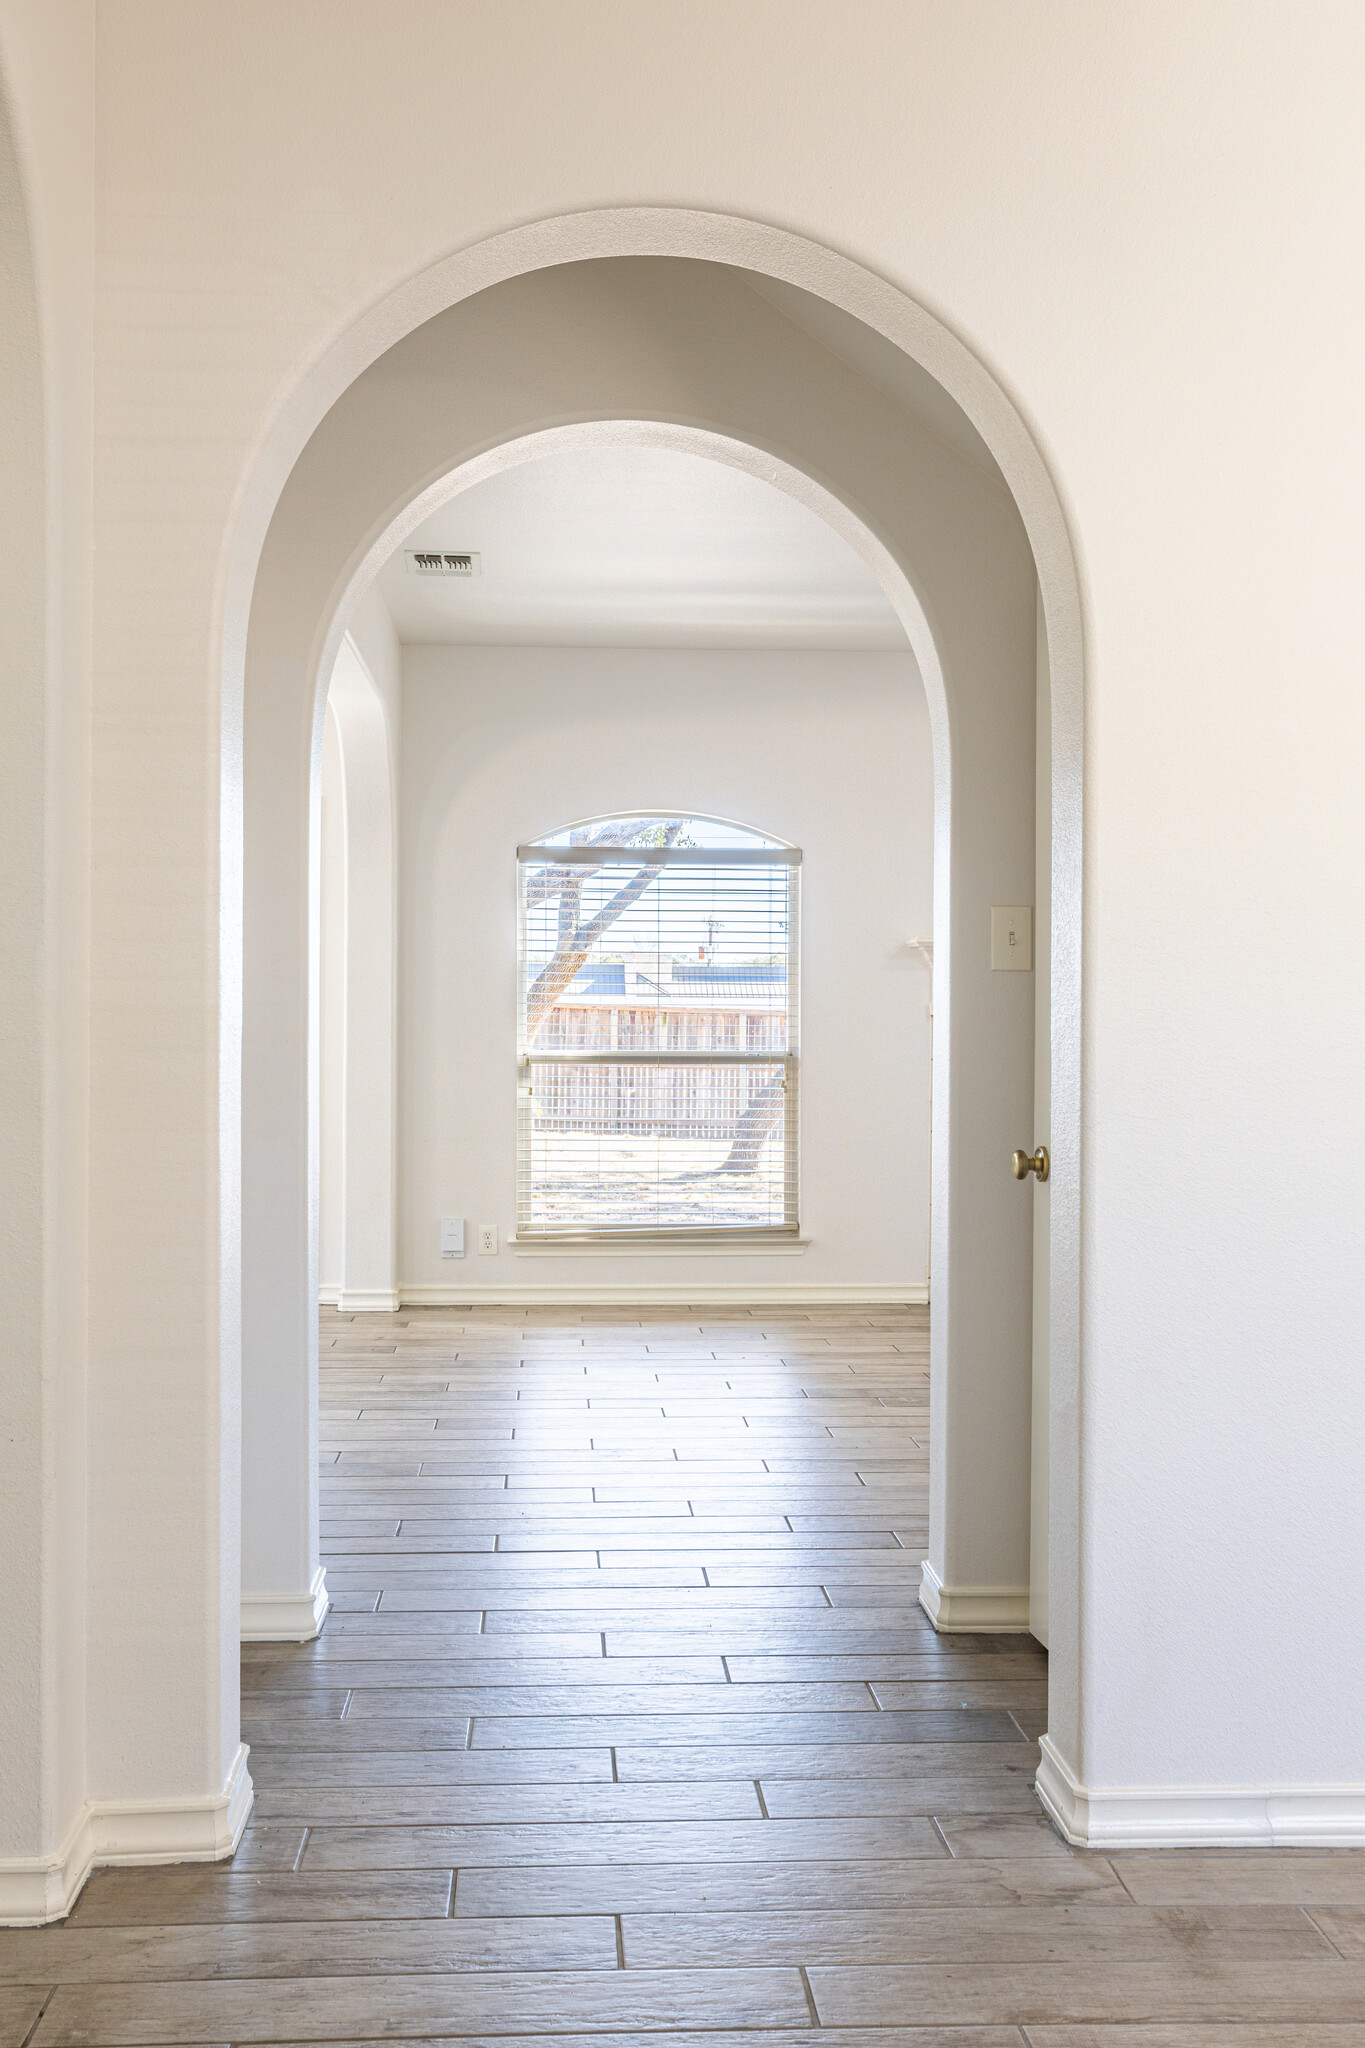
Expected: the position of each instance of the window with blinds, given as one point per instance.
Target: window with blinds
(657, 1033)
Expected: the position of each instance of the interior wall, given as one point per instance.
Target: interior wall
(331, 1009)
(356, 1011)
(46, 357)
(829, 752)
(371, 630)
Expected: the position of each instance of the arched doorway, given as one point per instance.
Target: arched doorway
(690, 349)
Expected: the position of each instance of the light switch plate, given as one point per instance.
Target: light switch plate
(452, 1237)
(1012, 937)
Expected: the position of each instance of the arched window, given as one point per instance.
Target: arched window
(657, 1033)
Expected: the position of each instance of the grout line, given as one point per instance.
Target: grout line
(50, 1995)
(938, 1827)
(483, 1621)
(1318, 1930)
(450, 1896)
(762, 1802)
(603, 1635)
(346, 1703)
(810, 1997)
(1119, 1875)
(875, 1701)
(620, 1945)
(469, 1734)
(307, 1837)
(614, 1779)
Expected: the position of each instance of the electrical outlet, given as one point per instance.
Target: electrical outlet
(452, 1237)
(488, 1237)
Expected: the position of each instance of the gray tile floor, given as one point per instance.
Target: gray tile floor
(626, 1723)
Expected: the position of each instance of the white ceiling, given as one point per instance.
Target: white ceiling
(637, 547)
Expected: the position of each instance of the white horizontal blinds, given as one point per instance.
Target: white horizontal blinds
(658, 1031)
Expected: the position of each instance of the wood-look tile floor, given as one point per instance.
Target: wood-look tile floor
(626, 1724)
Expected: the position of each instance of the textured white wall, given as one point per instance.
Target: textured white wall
(830, 752)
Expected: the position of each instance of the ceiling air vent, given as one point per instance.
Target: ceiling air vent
(421, 562)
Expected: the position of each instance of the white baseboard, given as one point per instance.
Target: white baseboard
(366, 1300)
(328, 1297)
(674, 1294)
(1200, 1816)
(34, 1890)
(973, 1610)
(286, 1617)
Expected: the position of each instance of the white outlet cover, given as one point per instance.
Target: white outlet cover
(488, 1237)
(1012, 937)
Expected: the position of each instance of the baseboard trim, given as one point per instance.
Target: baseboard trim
(35, 1890)
(675, 1294)
(973, 1610)
(328, 1297)
(366, 1300)
(1199, 1816)
(286, 1617)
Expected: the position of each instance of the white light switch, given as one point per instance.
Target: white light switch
(488, 1237)
(452, 1237)
(1012, 937)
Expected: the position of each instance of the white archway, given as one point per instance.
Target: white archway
(977, 1507)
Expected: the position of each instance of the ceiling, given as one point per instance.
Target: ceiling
(642, 547)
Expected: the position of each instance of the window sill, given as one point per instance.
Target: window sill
(728, 1245)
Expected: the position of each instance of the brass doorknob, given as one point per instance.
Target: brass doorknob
(1023, 1165)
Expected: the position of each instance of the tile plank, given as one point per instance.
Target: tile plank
(87, 1954)
(372, 2008)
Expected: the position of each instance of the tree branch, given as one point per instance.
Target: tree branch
(577, 942)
